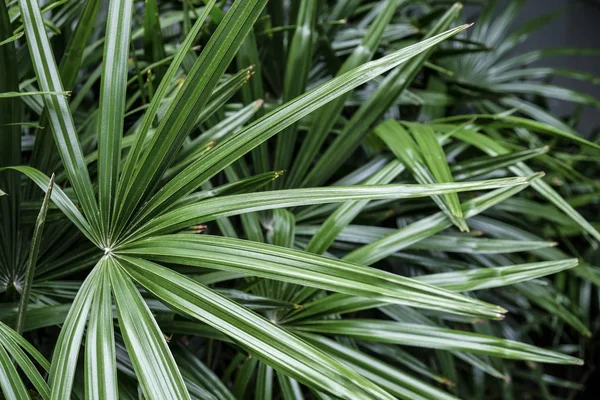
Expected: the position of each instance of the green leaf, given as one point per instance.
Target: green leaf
(189, 101)
(238, 204)
(485, 165)
(299, 62)
(459, 281)
(159, 95)
(41, 158)
(60, 119)
(267, 341)
(249, 55)
(378, 103)
(66, 352)
(11, 110)
(61, 200)
(294, 266)
(547, 91)
(403, 146)
(9, 334)
(100, 362)
(272, 123)
(32, 258)
(391, 379)
(192, 368)
(426, 227)
(264, 384)
(153, 40)
(509, 121)
(7, 95)
(284, 228)
(10, 382)
(434, 156)
(11, 38)
(435, 338)
(494, 148)
(340, 218)
(324, 118)
(152, 360)
(486, 278)
(113, 89)
(13, 342)
(451, 243)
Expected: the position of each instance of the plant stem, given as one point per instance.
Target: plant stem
(31, 261)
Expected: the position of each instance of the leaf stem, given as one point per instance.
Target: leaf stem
(33, 253)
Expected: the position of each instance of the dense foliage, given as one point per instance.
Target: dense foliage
(304, 199)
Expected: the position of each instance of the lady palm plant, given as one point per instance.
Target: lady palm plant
(365, 252)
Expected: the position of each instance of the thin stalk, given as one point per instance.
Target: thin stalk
(33, 253)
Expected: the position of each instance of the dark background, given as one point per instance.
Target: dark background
(578, 27)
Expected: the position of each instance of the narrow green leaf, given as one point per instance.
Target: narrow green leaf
(264, 382)
(325, 117)
(258, 132)
(485, 165)
(403, 146)
(299, 62)
(290, 388)
(154, 365)
(434, 156)
(436, 338)
(11, 110)
(284, 228)
(60, 119)
(189, 101)
(249, 55)
(25, 364)
(249, 184)
(191, 367)
(113, 89)
(391, 379)
(294, 266)
(159, 95)
(380, 101)
(343, 216)
(100, 362)
(451, 243)
(66, 351)
(239, 204)
(70, 63)
(510, 121)
(458, 281)
(61, 200)
(32, 258)
(426, 227)
(11, 38)
(9, 334)
(10, 382)
(269, 342)
(494, 148)
(153, 40)
(7, 95)
(486, 278)
(545, 90)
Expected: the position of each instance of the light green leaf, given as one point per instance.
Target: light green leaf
(294, 266)
(152, 360)
(435, 338)
(238, 204)
(272, 344)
